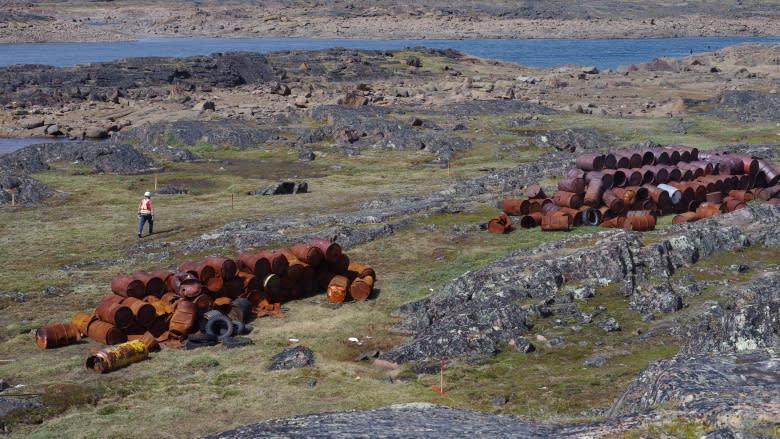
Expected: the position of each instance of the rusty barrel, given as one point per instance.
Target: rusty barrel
(773, 201)
(648, 158)
(732, 204)
(308, 253)
(330, 250)
(118, 356)
(250, 282)
(674, 155)
(685, 217)
(555, 222)
(575, 219)
(186, 285)
(535, 191)
(295, 266)
(252, 263)
(144, 312)
(590, 162)
(660, 173)
(537, 204)
(153, 286)
(634, 159)
(224, 267)
(606, 179)
(675, 174)
(360, 288)
(500, 224)
(336, 292)
(161, 307)
(202, 271)
(204, 302)
(114, 313)
(593, 193)
(675, 196)
(767, 193)
(105, 333)
(527, 222)
(515, 206)
(614, 203)
(706, 210)
(56, 335)
(182, 319)
(126, 285)
(618, 177)
(640, 193)
(572, 184)
(749, 164)
(357, 269)
(81, 321)
(627, 195)
(639, 222)
(276, 260)
(613, 160)
(567, 199)
(167, 278)
(661, 156)
(232, 288)
(614, 222)
(634, 177)
(659, 196)
(771, 173)
(340, 266)
(741, 195)
(272, 284)
(714, 197)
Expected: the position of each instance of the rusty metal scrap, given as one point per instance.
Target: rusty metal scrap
(611, 189)
(168, 307)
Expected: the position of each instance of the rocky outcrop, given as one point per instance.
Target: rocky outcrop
(235, 133)
(742, 105)
(463, 319)
(282, 188)
(132, 77)
(103, 156)
(574, 140)
(363, 128)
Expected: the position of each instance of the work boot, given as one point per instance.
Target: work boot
(139, 235)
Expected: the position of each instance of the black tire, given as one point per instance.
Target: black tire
(220, 326)
(239, 327)
(244, 304)
(237, 342)
(189, 344)
(214, 313)
(201, 337)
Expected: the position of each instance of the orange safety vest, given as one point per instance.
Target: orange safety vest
(145, 207)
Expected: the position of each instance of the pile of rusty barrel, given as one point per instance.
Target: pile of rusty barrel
(630, 188)
(207, 301)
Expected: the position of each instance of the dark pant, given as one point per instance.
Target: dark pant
(143, 219)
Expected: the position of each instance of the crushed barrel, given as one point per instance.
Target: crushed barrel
(56, 335)
(118, 356)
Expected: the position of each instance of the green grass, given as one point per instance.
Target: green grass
(213, 388)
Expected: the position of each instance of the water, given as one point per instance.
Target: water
(10, 144)
(602, 53)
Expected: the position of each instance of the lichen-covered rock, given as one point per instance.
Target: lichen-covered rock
(292, 358)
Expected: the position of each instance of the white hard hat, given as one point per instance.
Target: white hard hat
(147, 194)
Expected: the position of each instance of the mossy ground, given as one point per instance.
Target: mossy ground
(189, 393)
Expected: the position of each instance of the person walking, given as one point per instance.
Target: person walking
(145, 213)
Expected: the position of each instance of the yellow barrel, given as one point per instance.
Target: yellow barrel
(118, 356)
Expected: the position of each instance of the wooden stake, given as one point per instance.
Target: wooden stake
(232, 201)
(155, 182)
(13, 198)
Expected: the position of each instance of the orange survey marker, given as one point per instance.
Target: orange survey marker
(440, 388)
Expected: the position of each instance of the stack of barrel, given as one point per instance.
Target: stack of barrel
(167, 306)
(630, 188)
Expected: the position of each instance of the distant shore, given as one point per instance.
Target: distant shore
(124, 22)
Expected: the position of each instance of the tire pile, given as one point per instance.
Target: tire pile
(630, 188)
(210, 301)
